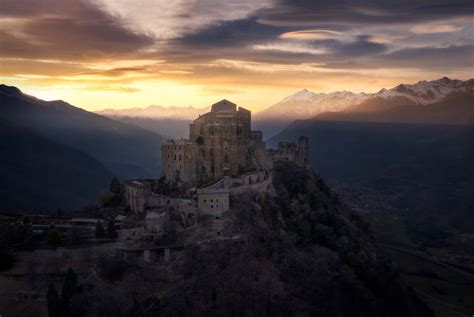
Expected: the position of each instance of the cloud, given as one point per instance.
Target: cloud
(290, 48)
(238, 33)
(311, 35)
(65, 30)
(435, 28)
(171, 19)
(344, 14)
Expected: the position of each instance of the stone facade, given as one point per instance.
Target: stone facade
(220, 143)
(157, 222)
(136, 192)
(290, 151)
(213, 200)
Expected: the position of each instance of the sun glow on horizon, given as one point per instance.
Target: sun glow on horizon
(98, 54)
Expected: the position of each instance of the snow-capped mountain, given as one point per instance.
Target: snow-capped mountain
(426, 92)
(156, 112)
(306, 104)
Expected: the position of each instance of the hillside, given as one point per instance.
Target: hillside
(125, 150)
(167, 128)
(296, 250)
(456, 108)
(413, 183)
(408, 165)
(305, 254)
(39, 174)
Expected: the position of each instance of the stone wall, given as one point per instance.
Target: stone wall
(157, 222)
(213, 200)
(136, 192)
(179, 160)
(263, 186)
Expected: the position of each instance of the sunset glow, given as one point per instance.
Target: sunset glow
(112, 54)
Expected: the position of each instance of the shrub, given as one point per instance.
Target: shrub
(115, 186)
(105, 197)
(99, 230)
(53, 237)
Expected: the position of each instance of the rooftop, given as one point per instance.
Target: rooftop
(224, 105)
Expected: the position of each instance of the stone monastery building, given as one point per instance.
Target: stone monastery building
(221, 158)
(221, 143)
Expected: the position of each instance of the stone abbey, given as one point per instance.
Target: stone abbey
(222, 158)
(222, 143)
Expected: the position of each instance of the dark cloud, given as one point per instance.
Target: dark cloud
(235, 40)
(67, 30)
(430, 57)
(229, 34)
(347, 13)
(451, 57)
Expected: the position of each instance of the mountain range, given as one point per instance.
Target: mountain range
(56, 155)
(443, 101)
(449, 102)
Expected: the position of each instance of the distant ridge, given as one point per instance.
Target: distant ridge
(153, 112)
(127, 151)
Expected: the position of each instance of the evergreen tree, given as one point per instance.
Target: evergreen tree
(53, 238)
(111, 231)
(69, 287)
(115, 186)
(99, 230)
(53, 301)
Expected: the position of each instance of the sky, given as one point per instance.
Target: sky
(100, 54)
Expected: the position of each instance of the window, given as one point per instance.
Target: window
(175, 157)
(180, 157)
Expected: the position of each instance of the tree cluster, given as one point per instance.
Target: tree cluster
(72, 300)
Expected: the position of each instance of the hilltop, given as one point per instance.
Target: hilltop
(296, 249)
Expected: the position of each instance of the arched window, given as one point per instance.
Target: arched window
(199, 140)
(226, 158)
